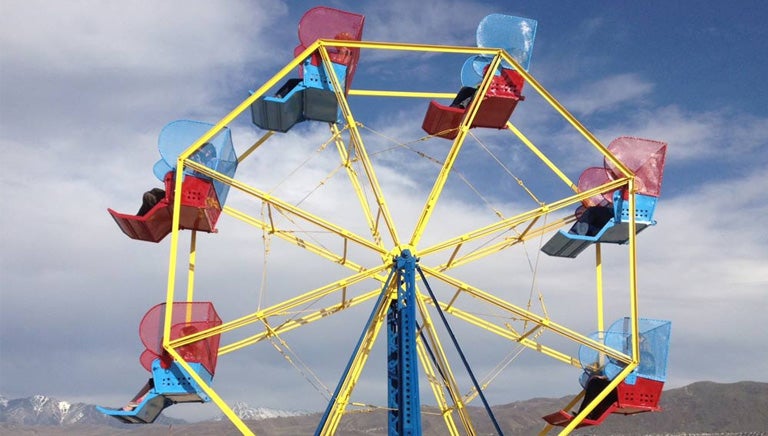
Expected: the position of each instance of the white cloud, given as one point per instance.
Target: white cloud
(696, 137)
(109, 67)
(143, 37)
(607, 94)
(706, 270)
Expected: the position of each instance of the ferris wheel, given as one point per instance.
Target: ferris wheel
(410, 282)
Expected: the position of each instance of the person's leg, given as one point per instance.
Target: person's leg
(598, 218)
(139, 397)
(463, 97)
(593, 389)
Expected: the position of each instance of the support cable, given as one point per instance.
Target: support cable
(507, 170)
(360, 344)
(431, 354)
(461, 353)
(291, 357)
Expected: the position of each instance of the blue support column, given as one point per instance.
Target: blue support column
(403, 392)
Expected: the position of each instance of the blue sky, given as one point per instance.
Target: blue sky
(86, 88)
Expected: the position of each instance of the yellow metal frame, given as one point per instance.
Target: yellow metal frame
(380, 221)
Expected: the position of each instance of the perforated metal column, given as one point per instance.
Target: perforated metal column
(404, 404)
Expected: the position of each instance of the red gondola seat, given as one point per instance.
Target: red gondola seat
(497, 106)
(200, 210)
(628, 399)
(640, 391)
(642, 396)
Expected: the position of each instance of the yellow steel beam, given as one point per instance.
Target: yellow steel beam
(287, 207)
(357, 364)
(244, 105)
(347, 162)
(567, 115)
(599, 287)
(361, 153)
(291, 237)
(633, 310)
(526, 315)
(524, 139)
(405, 46)
(255, 145)
(292, 324)
(174, 250)
(228, 412)
(444, 366)
(191, 269)
(436, 383)
(507, 333)
(508, 223)
(456, 261)
(303, 299)
(595, 401)
(405, 94)
(442, 177)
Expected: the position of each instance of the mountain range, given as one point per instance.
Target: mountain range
(702, 408)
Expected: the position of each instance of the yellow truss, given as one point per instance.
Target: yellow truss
(449, 400)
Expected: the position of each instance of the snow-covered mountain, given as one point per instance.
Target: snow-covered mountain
(246, 412)
(43, 410)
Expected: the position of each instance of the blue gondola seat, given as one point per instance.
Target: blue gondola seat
(614, 231)
(312, 96)
(309, 98)
(171, 385)
(645, 158)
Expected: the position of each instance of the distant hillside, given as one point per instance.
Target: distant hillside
(700, 408)
(703, 408)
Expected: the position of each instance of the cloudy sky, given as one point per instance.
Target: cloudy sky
(85, 88)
